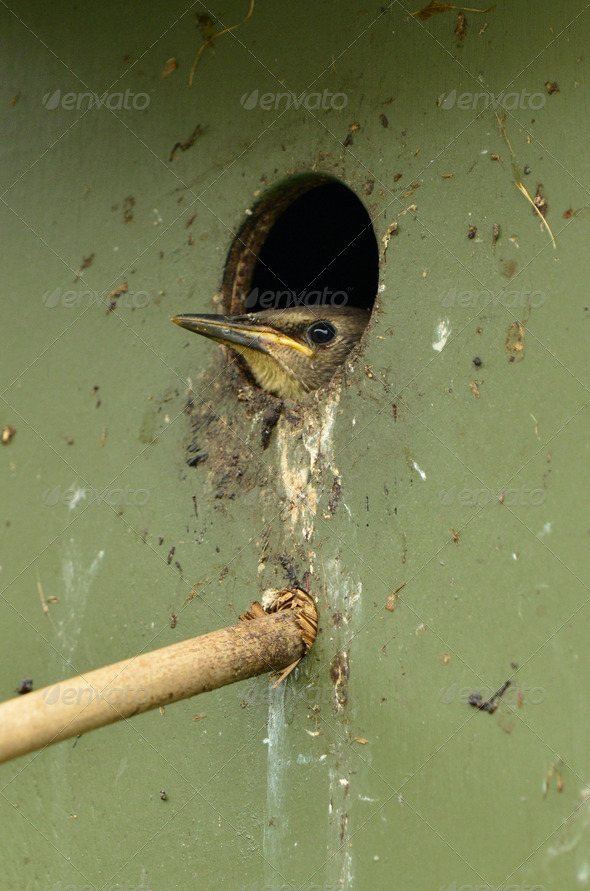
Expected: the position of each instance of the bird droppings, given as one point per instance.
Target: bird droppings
(515, 341)
(75, 496)
(339, 675)
(442, 333)
(418, 470)
(335, 493)
(270, 416)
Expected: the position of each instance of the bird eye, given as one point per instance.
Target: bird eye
(321, 333)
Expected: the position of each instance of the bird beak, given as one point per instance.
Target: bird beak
(240, 331)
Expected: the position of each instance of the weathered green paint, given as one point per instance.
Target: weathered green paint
(270, 788)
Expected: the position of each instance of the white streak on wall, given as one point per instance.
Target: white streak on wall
(276, 841)
(76, 586)
(76, 580)
(302, 461)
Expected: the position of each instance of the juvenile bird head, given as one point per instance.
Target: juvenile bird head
(289, 351)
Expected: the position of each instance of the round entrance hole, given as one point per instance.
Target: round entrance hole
(309, 241)
(308, 245)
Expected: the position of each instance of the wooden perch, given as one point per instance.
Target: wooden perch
(272, 640)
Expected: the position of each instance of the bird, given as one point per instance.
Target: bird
(289, 352)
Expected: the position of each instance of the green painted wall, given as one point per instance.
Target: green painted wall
(273, 789)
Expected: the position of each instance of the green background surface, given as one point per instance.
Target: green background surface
(271, 789)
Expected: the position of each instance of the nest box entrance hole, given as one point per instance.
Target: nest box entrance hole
(308, 241)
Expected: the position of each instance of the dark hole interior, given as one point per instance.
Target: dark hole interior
(322, 250)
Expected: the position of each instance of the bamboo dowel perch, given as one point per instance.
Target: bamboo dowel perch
(272, 640)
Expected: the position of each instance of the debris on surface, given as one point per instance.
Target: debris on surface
(495, 235)
(86, 262)
(434, 6)
(128, 205)
(539, 205)
(7, 434)
(205, 26)
(335, 493)
(553, 771)
(392, 599)
(112, 297)
(391, 230)
(515, 341)
(461, 26)
(188, 143)
(44, 606)
(540, 201)
(490, 705)
(170, 66)
(339, 675)
(390, 605)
